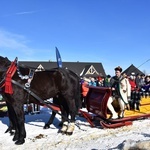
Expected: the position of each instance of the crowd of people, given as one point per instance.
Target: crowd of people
(127, 89)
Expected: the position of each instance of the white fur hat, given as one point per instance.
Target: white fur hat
(92, 79)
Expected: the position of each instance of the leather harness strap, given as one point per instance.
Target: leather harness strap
(6, 82)
(51, 106)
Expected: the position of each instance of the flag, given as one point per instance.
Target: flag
(58, 58)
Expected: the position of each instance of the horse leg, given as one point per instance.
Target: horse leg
(71, 125)
(50, 121)
(55, 101)
(11, 122)
(64, 120)
(73, 113)
(10, 128)
(20, 133)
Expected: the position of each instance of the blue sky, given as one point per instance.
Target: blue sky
(113, 32)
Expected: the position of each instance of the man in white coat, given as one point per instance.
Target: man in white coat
(121, 90)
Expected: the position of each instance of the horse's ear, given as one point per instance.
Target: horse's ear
(7, 59)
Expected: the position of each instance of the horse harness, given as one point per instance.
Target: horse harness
(7, 81)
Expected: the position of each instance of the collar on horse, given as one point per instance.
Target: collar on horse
(6, 82)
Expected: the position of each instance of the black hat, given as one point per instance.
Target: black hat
(118, 69)
(108, 76)
(142, 75)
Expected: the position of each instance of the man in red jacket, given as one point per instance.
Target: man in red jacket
(135, 95)
(132, 81)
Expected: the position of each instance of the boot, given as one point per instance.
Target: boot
(114, 116)
(121, 114)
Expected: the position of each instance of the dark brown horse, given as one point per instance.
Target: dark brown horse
(22, 84)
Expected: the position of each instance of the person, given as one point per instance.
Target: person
(142, 81)
(121, 91)
(107, 81)
(92, 82)
(85, 89)
(132, 81)
(100, 81)
(146, 87)
(137, 80)
(135, 95)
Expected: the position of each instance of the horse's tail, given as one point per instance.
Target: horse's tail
(78, 101)
(77, 86)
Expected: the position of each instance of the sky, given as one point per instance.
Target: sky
(112, 32)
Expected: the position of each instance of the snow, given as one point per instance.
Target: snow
(84, 136)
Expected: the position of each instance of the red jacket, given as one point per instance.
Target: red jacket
(133, 84)
(85, 88)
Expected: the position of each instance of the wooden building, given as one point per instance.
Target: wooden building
(92, 69)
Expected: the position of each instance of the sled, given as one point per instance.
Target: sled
(96, 105)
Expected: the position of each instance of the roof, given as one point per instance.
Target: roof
(131, 69)
(79, 68)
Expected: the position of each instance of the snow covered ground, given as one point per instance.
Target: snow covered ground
(83, 138)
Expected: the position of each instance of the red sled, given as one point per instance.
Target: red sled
(96, 104)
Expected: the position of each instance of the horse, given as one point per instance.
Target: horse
(22, 84)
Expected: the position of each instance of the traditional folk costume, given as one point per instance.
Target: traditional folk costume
(121, 93)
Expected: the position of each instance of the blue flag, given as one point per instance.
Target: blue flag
(58, 57)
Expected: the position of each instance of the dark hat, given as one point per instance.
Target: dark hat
(143, 75)
(108, 76)
(118, 69)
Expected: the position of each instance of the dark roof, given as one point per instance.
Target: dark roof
(76, 67)
(131, 69)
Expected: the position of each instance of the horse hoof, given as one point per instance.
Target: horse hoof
(46, 126)
(70, 129)
(15, 138)
(12, 133)
(69, 133)
(62, 132)
(64, 128)
(19, 142)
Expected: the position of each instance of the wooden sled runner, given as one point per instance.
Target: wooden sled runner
(96, 103)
